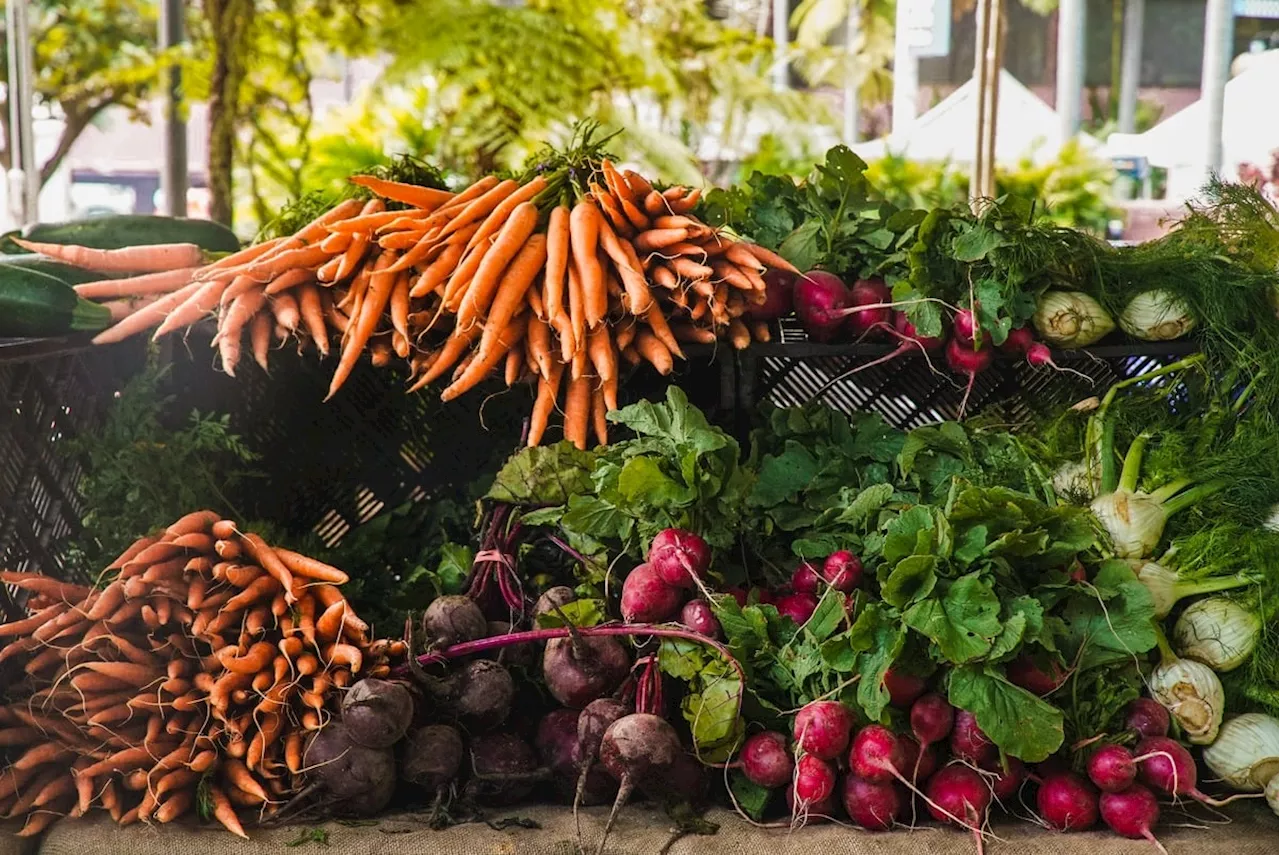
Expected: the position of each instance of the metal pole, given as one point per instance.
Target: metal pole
(173, 178)
(906, 72)
(852, 79)
(1071, 22)
(982, 36)
(1130, 65)
(24, 174)
(781, 44)
(1218, 26)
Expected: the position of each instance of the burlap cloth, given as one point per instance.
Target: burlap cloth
(639, 831)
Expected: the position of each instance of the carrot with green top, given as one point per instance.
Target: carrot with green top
(509, 242)
(426, 198)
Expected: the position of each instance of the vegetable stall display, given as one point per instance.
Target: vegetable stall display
(1073, 617)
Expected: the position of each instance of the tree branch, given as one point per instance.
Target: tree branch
(73, 126)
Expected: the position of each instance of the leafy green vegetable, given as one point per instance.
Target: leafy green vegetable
(1014, 719)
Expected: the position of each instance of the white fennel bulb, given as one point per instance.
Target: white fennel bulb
(1193, 695)
(1273, 794)
(1134, 520)
(1246, 754)
(1217, 632)
(1071, 319)
(1157, 315)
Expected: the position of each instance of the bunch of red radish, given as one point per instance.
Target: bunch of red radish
(873, 772)
(866, 311)
(656, 591)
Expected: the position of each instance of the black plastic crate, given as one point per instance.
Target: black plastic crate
(913, 391)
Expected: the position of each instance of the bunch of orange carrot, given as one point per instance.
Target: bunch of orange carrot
(556, 280)
(191, 680)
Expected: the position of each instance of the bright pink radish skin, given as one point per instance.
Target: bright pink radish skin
(1023, 671)
(804, 580)
(1007, 781)
(1131, 813)
(697, 615)
(1167, 767)
(903, 688)
(964, 327)
(907, 330)
(963, 359)
(813, 812)
(874, 805)
(1148, 717)
(646, 598)
(819, 299)
(1017, 341)
(842, 570)
(968, 742)
(765, 759)
(815, 780)
(876, 754)
(1111, 768)
(922, 761)
(1067, 802)
(872, 293)
(798, 607)
(932, 718)
(679, 557)
(960, 792)
(823, 728)
(778, 288)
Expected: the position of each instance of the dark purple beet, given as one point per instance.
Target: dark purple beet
(577, 671)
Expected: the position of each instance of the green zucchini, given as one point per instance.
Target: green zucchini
(120, 230)
(37, 304)
(68, 273)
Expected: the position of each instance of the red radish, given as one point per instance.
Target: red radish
(1007, 781)
(739, 595)
(903, 688)
(814, 812)
(875, 296)
(1017, 342)
(842, 570)
(679, 557)
(697, 615)
(1077, 572)
(823, 728)
(874, 805)
(876, 754)
(1148, 717)
(1067, 802)
(932, 718)
(646, 598)
(968, 742)
(1025, 672)
(922, 760)
(958, 794)
(815, 780)
(1111, 768)
(765, 597)
(765, 759)
(804, 580)
(778, 288)
(798, 607)
(1168, 768)
(820, 298)
(743, 597)
(965, 327)
(963, 359)
(1131, 813)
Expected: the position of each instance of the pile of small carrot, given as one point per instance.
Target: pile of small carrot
(190, 680)
(556, 279)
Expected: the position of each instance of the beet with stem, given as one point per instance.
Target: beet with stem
(377, 713)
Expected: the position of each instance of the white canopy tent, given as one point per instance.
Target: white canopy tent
(1025, 127)
(1250, 129)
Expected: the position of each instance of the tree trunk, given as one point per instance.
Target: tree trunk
(229, 21)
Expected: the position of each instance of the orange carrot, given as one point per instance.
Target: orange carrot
(511, 289)
(497, 217)
(486, 361)
(654, 351)
(656, 239)
(612, 211)
(511, 240)
(380, 286)
(224, 813)
(577, 312)
(289, 279)
(437, 271)
(410, 194)
(260, 338)
(270, 562)
(771, 259)
(601, 353)
(162, 282)
(577, 411)
(599, 424)
(400, 304)
(584, 230)
(628, 266)
(658, 323)
(480, 207)
(309, 568)
(147, 317)
(511, 370)
(309, 306)
(557, 261)
(654, 203)
(132, 259)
